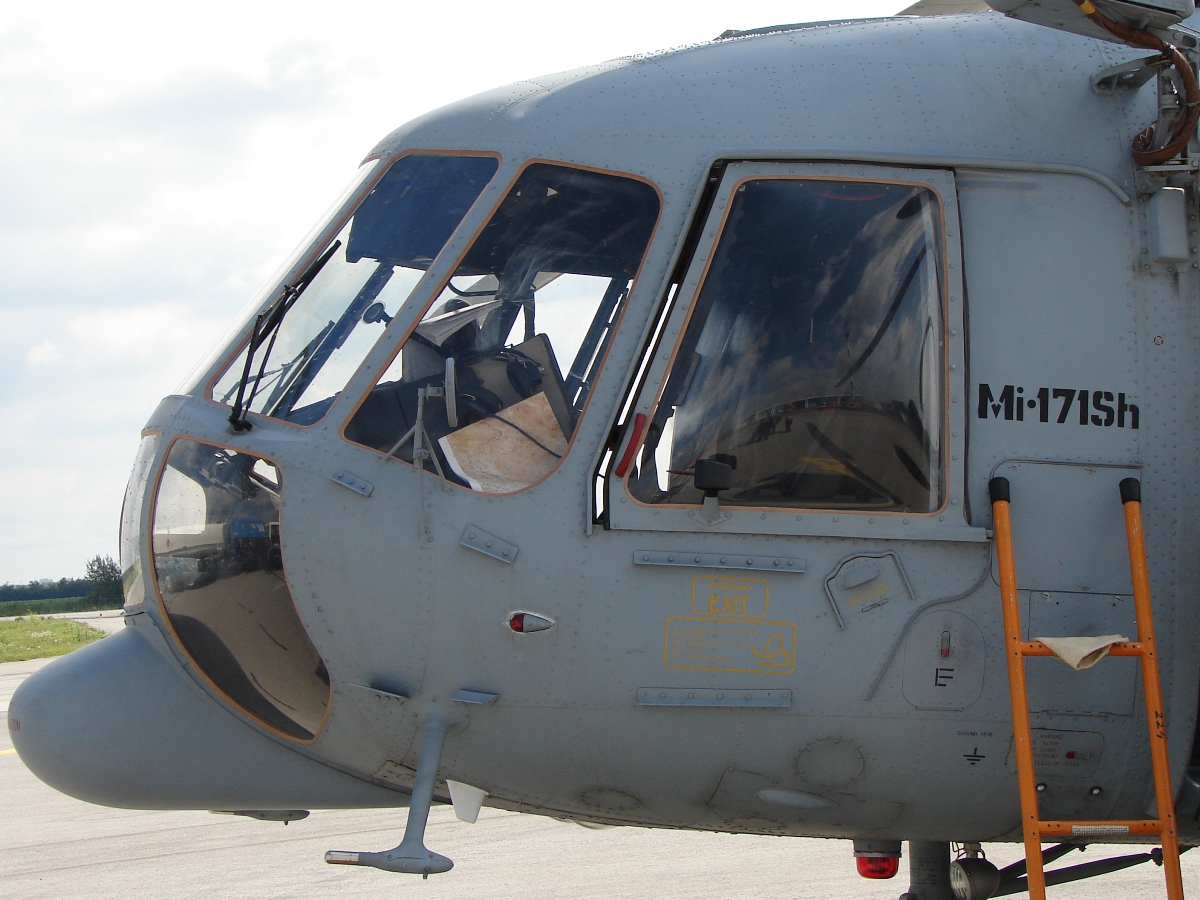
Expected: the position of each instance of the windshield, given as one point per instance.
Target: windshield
(507, 354)
(812, 364)
(308, 343)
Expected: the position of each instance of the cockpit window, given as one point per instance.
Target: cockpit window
(812, 362)
(308, 343)
(488, 388)
(219, 569)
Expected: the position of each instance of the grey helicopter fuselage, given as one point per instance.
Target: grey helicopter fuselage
(760, 662)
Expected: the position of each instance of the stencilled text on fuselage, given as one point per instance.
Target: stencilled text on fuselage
(1062, 406)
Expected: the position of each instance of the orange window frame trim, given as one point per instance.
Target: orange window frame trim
(148, 546)
(638, 440)
(458, 261)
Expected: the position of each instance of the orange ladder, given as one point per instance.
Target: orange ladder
(1035, 828)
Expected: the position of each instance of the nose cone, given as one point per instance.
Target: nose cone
(119, 723)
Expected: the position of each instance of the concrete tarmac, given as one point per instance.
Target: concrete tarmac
(52, 846)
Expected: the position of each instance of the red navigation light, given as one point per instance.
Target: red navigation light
(877, 866)
(529, 623)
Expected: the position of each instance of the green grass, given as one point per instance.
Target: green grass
(57, 605)
(32, 637)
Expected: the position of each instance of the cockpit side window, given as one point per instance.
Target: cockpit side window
(812, 364)
(490, 384)
(309, 342)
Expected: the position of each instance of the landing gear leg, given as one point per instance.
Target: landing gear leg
(928, 871)
(411, 856)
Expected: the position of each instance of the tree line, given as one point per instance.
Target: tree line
(101, 582)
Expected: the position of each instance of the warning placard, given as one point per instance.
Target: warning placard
(715, 645)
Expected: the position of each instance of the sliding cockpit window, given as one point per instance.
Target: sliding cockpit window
(812, 365)
(311, 339)
(488, 388)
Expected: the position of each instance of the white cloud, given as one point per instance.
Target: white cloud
(43, 354)
(159, 161)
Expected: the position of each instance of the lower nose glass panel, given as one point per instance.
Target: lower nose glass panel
(220, 574)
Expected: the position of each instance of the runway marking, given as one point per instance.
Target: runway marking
(7, 752)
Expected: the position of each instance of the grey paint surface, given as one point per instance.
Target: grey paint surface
(1046, 290)
(53, 847)
(169, 748)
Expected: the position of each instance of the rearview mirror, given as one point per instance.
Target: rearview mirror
(712, 476)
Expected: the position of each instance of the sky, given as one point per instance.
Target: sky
(159, 161)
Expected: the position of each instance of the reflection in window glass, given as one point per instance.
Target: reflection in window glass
(220, 573)
(812, 365)
(131, 521)
(311, 341)
(488, 388)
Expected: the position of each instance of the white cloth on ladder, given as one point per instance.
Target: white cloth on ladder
(1082, 652)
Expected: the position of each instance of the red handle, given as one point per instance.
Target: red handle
(639, 422)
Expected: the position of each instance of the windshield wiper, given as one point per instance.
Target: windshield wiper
(267, 324)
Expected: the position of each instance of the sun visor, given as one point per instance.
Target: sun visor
(411, 213)
(1064, 15)
(601, 225)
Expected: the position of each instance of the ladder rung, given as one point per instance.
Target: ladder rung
(1101, 828)
(1037, 648)
(1129, 648)
(1034, 829)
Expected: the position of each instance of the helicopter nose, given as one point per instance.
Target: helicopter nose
(119, 723)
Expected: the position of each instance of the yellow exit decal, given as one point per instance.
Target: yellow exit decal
(727, 633)
(729, 598)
